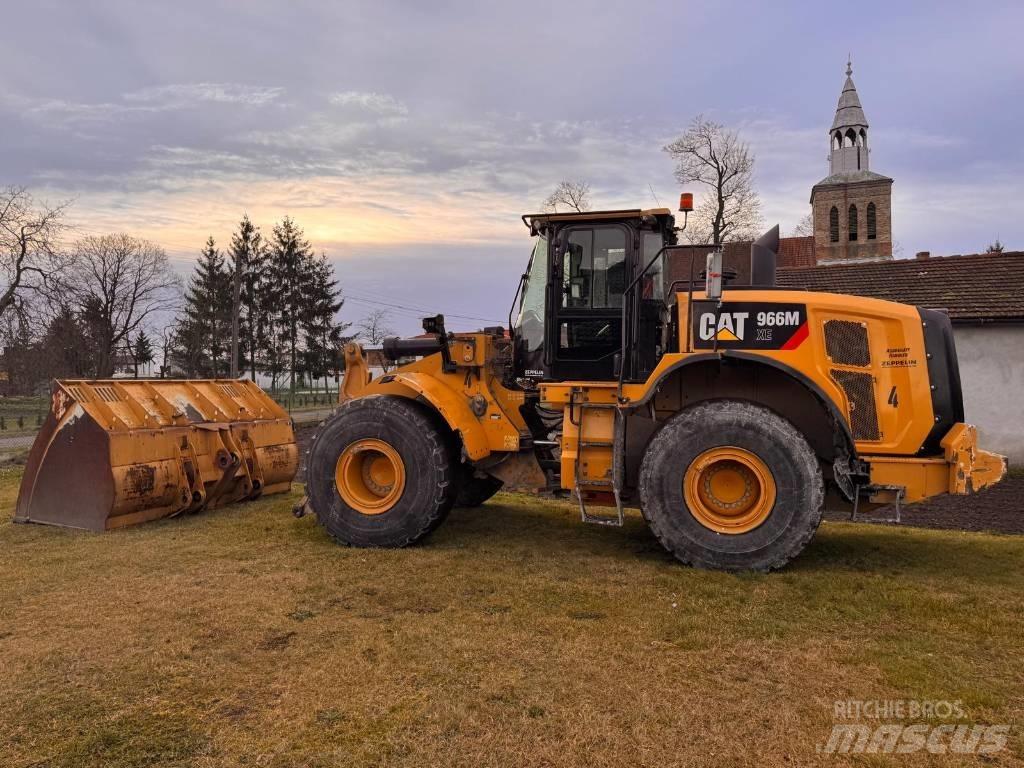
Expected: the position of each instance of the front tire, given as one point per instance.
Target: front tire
(730, 485)
(380, 473)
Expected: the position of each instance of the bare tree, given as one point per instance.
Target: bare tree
(29, 231)
(119, 282)
(373, 329)
(570, 196)
(167, 333)
(804, 227)
(714, 156)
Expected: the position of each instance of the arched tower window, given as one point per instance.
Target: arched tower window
(833, 225)
(852, 228)
(872, 228)
(852, 136)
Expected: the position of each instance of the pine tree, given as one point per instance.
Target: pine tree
(321, 329)
(186, 353)
(66, 347)
(142, 351)
(247, 264)
(287, 282)
(204, 328)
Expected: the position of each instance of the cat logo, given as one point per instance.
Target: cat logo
(730, 326)
(749, 325)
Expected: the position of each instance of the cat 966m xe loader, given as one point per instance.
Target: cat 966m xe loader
(727, 416)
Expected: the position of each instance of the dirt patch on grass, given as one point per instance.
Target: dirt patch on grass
(999, 509)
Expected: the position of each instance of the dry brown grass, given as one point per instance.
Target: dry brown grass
(514, 636)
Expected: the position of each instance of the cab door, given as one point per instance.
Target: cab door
(592, 267)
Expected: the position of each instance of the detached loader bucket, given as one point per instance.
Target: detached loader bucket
(122, 451)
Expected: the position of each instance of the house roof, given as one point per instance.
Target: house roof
(851, 177)
(985, 287)
(797, 252)
(793, 252)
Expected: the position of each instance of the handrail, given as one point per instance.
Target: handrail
(625, 303)
(625, 316)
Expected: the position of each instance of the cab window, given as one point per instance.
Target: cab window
(594, 269)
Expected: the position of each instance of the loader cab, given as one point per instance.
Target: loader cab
(575, 307)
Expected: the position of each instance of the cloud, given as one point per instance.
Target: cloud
(379, 103)
(138, 104)
(177, 95)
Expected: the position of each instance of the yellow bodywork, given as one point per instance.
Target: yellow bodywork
(472, 399)
(118, 452)
(475, 403)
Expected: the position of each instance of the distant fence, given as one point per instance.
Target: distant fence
(299, 401)
(21, 422)
(20, 419)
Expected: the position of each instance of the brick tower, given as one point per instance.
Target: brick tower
(852, 206)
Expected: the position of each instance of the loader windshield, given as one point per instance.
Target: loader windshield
(530, 323)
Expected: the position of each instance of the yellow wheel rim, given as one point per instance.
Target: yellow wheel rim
(729, 490)
(370, 476)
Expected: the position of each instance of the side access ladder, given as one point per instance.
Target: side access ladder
(612, 485)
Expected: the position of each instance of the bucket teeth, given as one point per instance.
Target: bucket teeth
(123, 451)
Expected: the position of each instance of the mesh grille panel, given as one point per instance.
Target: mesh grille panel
(860, 394)
(846, 343)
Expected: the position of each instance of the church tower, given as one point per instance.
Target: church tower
(852, 206)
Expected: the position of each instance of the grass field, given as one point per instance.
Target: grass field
(514, 636)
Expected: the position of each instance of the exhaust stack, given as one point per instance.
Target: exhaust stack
(763, 258)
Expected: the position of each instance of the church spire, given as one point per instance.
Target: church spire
(849, 132)
(852, 206)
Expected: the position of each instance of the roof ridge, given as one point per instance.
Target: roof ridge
(862, 265)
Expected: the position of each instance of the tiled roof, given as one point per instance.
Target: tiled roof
(793, 252)
(979, 287)
(851, 177)
(796, 252)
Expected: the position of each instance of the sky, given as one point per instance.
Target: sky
(407, 138)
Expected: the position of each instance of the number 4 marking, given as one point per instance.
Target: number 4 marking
(894, 399)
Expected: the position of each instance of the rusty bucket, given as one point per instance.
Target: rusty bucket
(123, 451)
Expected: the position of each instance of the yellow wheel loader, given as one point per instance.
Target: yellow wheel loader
(727, 416)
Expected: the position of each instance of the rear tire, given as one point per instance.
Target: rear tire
(380, 473)
(730, 485)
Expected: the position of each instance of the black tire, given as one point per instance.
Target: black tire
(799, 487)
(414, 433)
(474, 490)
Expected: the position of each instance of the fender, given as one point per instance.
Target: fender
(451, 405)
(750, 357)
(828, 402)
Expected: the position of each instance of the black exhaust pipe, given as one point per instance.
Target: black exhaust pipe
(395, 348)
(763, 258)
